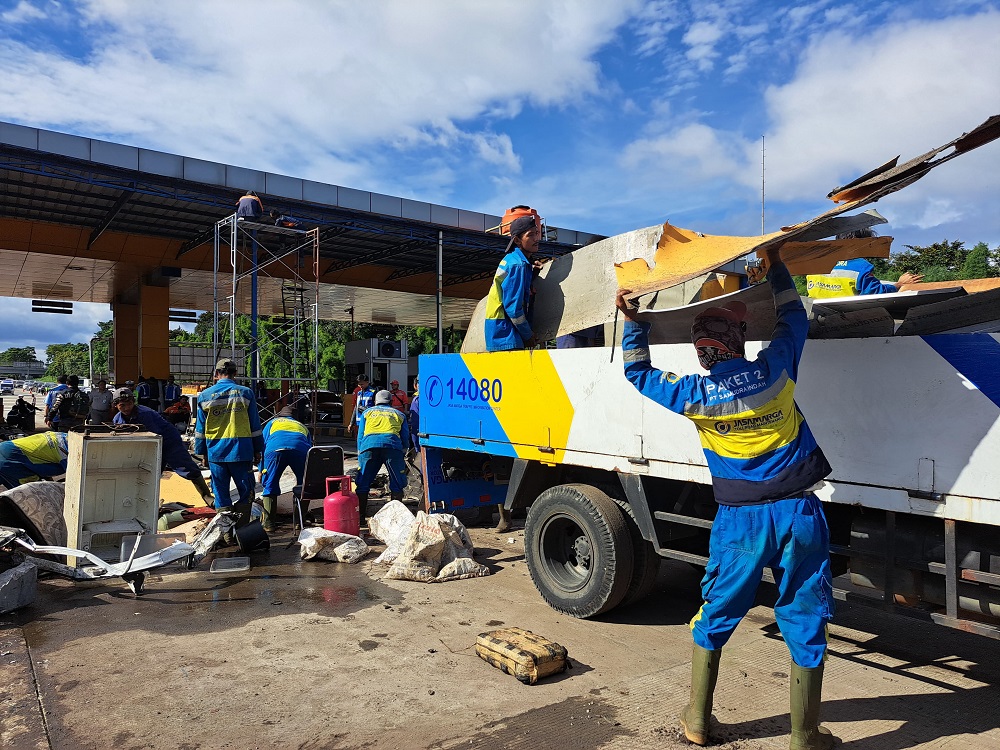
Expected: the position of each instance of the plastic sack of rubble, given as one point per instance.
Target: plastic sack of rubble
(391, 526)
(434, 551)
(331, 545)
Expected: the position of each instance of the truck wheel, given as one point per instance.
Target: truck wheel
(578, 549)
(646, 564)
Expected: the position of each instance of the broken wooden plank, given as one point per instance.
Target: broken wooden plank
(952, 314)
(897, 303)
(969, 285)
(577, 290)
(856, 324)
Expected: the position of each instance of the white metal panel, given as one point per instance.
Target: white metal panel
(112, 488)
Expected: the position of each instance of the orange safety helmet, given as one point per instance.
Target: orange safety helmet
(517, 212)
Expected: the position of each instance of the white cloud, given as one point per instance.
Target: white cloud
(307, 88)
(857, 101)
(21, 327)
(21, 13)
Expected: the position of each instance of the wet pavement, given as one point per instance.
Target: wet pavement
(314, 654)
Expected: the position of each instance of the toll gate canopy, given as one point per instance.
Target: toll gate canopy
(93, 221)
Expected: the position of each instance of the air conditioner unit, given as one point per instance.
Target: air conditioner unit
(390, 349)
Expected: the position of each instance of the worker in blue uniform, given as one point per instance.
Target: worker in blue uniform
(171, 392)
(507, 326)
(286, 443)
(853, 277)
(765, 464)
(32, 458)
(249, 207)
(174, 455)
(380, 444)
(227, 433)
(364, 397)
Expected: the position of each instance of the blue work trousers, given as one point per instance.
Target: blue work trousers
(789, 536)
(274, 466)
(238, 472)
(373, 459)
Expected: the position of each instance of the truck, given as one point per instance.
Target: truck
(613, 483)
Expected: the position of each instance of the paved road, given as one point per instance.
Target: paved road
(320, 655)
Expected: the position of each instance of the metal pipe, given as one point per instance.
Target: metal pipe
(254, 344)
(440, 290)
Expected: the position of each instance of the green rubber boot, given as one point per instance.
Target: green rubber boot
(704, 674)
(806, 689)
(270, 505)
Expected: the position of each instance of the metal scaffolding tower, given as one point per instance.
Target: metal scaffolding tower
(255, 262)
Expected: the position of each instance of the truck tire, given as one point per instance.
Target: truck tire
(646, 563)
(578, 550)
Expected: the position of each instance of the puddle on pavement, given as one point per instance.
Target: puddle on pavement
(574, 723)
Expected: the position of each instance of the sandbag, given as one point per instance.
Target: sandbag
(434, 550)
(521, 653)
(331, 545)
(391, 526)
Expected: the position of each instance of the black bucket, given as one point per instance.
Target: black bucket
(252, 538)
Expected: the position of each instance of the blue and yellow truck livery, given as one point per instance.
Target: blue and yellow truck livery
(614, 483)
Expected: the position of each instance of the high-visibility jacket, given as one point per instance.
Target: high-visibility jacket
(227, 428)
(286, 434)
(507, 326)
(848, 278)
(381, 427)
(45, 448)
(756, 441)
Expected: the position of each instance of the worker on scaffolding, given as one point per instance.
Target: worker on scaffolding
(249, 207)
(174, 456)
(765, 464)
(227, 433)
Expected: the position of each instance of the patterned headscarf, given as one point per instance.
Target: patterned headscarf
(719, 334)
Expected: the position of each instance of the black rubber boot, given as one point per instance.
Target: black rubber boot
(363, 507)
(396, 496)
(704, 674)
(806, 695)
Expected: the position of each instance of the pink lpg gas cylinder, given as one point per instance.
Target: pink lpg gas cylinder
(340, 507)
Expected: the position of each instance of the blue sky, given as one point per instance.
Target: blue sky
(606, 116)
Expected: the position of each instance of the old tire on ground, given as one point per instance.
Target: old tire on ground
(646, 563)
(578, 549)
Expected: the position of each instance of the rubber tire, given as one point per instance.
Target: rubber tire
(563, 521)
(646, 564)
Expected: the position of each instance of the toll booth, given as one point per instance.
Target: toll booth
(382, 360)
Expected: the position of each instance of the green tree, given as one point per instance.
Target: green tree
(977, 263)
(19, 354)
(67, 359)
